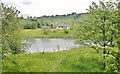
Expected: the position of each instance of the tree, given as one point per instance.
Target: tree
(47, 24)
(27, 24)
(73, 13)
(99, 29)
(31, 24)
(45, 29)
(0, 38)
(38, 25)
(52, 26)
(11, 42)
(65, 31)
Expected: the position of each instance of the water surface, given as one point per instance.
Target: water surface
(49, 45)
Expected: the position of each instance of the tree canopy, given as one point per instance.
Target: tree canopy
(11, 42)
(99, 29)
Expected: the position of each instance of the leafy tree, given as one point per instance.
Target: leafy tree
(52, 26)
(26, 24)
(34, 25)
(11, 42)
(99, 30)
(30, 24)
(65, 31)
(38, 25)
(0, 38)
(45, 29)
(47, 24)
(73, 13)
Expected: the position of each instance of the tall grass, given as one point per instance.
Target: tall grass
(74, 60)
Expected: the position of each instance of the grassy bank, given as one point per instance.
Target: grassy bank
(75, 60)
(51, 33)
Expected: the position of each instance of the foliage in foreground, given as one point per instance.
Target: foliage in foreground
(100, 30)
(75, 60)
(10, 23)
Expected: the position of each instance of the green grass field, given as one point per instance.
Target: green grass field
(52, 33)
(74, 60)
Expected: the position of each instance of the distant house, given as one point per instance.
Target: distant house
(63, 26)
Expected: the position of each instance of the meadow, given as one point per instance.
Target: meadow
(51, 33)
(83, 59)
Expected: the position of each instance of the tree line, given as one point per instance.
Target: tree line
(50, 21)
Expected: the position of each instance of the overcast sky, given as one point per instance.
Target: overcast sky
(49, 7)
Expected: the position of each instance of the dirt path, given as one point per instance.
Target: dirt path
(55, 66)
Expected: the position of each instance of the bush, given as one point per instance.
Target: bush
(27, 27)
(45, 29)
(32, 26)
(66, 31)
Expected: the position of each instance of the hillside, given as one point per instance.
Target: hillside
(39, 22)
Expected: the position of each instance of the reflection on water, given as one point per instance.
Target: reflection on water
(49, 45)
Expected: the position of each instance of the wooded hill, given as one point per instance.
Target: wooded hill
(39, 22)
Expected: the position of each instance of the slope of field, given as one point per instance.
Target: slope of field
(74, 60)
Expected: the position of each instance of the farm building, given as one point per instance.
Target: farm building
(63, 26)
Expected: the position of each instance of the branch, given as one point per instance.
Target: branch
(100, 27)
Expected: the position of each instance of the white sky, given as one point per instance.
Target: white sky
(49, 7)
